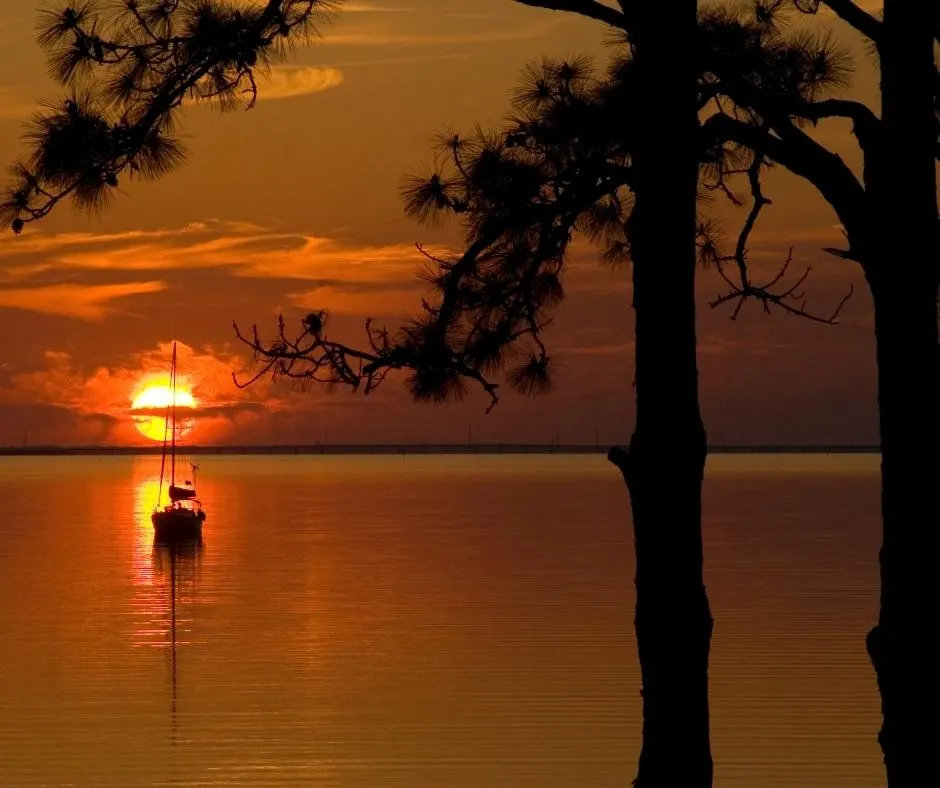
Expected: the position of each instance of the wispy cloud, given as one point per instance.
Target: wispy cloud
(624, 349)
(358, 7)
(283, 82)
(374, 8)
(34, 241)
(247, 249)
(403, 60)
(396, 298)
(389, 38)
(85, 302)
(80, 274)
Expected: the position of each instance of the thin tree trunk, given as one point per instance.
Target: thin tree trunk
(903, 188)
(665, 465)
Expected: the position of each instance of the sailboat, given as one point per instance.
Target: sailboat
(182, 518)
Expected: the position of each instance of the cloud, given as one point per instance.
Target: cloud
(373, 8)
(79, 274)
(403, 60)
(715, 344)
(104, 395)
(44, 425)
(381, 37)
(245, 250)
(372, 299)
(356, 7)
(34, 240)
(205, 411)
(611, 349)
(709, 344)
(283, 82)
(85, 302)
(85, 276)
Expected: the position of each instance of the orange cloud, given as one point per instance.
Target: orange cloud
(373, 8)
(353, 7)
(246, 249)
(283, 82)
(343, 300)
(85, 302)
(105, 393)
(387, 38)
(344, 278)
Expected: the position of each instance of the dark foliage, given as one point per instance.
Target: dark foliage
(129, 67)
(558, 170)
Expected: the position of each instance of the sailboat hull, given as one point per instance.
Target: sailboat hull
(175, 524)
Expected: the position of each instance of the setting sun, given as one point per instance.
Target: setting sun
(150, 422)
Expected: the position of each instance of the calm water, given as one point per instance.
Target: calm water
(422, 621)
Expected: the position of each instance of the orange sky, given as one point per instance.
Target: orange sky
(294, 205)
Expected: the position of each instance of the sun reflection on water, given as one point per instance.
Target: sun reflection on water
(163, 575)
(146, 498)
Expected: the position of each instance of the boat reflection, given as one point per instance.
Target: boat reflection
(176, 570)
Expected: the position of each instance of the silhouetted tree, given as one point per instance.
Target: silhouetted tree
(665, 464)
(890, 218)
(129, 68)
(615, 161)
(567, 163)
(577, 153)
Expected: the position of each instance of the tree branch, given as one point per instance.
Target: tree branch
(131, 68)
(791, 299)
(866, 124)
(593, 9)
(857, 17)
(803, 156)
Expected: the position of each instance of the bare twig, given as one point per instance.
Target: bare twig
(791, 298)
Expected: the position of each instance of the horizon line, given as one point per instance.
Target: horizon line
(415, 448)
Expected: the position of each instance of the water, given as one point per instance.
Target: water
(398, 622)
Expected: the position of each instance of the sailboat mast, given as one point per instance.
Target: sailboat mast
(173, 423)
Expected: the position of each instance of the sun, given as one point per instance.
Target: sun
(152, 402)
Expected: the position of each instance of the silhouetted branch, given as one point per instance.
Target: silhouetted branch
(130, 67)
(312, 357)
(800, 154)
(791, 298)
(591, 9)
(850, 12)
(866, 124)
(843, 254)
(563, 165)
(559, 167)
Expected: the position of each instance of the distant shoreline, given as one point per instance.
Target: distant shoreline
(385, 449)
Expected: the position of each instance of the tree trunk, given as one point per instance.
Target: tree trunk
(901, 645)
(903, 189)
(665, 465)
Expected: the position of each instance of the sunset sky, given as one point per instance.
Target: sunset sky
(294, 206)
